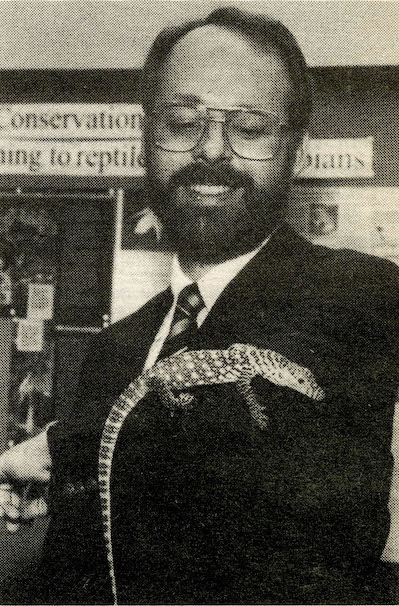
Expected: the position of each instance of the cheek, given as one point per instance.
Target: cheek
(164, 165)
(263, 174)
(269, 174)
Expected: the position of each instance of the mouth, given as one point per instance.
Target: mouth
(210, 190)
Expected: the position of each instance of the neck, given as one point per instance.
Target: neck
(196, 266)
(194, 269)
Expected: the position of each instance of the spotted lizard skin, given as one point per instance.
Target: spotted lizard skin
(238, 364)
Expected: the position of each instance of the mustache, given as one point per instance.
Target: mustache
(201, 174)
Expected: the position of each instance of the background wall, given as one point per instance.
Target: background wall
(117, 34)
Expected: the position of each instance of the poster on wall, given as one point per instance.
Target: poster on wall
(385, 232)
(30, 335)
(40, 301)
(323, 219)
(142, 256)
(361, 218)
(140, 229)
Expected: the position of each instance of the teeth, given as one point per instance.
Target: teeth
(210, 190)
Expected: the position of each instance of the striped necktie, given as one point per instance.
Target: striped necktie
(184, 324)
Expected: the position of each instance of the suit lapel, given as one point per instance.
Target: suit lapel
(256, 296)
(134, 335)
(253, 300)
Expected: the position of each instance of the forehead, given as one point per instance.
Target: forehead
(217, 65)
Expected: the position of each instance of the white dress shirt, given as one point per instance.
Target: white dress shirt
(211, 285)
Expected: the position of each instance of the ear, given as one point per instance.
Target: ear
(300, 153)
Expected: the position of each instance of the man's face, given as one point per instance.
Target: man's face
(213, 203)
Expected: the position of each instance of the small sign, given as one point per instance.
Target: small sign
(385, 233)
(338, 159)
(323, 219)
(30, 335)
(40, 301)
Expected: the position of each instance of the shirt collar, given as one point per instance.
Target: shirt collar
(215, 280)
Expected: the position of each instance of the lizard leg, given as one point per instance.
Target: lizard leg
(183, 401)
(256, 409)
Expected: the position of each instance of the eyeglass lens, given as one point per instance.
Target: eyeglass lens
(251, 134)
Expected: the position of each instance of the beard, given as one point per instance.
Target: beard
(213, 228)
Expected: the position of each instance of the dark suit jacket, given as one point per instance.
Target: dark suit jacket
(208, 508)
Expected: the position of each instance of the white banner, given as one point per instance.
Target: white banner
(71, 139)
(338, 159)
(87, 139)
(71, 120)
(81, 158)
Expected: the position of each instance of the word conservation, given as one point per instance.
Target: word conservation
(17, 120)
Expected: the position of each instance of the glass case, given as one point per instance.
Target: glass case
(55, 279)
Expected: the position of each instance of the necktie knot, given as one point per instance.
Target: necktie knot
(190, 301)
(184, 324)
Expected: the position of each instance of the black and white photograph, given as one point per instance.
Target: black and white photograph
(199, 302)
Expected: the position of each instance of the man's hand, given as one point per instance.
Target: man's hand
(24, 475)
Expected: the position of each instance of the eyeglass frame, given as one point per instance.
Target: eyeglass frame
(204, 109)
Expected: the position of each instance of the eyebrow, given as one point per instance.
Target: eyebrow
(191, 99)
(195, 100)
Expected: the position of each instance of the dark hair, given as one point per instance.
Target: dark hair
(263, 30)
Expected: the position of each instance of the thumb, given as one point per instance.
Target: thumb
(27, 462)
(42, 476)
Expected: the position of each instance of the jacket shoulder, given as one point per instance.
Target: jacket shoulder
(354, 266)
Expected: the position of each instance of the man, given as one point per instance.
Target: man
(255, 494)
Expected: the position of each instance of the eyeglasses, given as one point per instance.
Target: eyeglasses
(251, 134)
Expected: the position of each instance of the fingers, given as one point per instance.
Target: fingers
(20, 508)
(10, 503)
(12, 516)
(11, 512)
(34, 509)
(23, 466)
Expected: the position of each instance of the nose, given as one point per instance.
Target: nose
(213, 146)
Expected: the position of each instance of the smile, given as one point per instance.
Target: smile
(210, 190)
